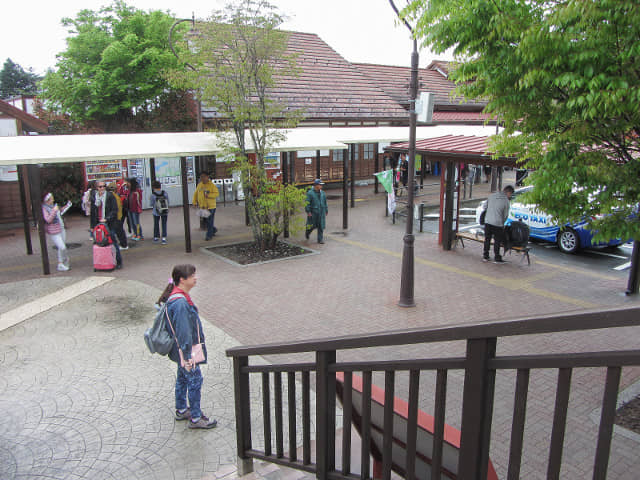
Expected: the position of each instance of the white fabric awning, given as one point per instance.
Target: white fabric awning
(81, 148)
(36, 149)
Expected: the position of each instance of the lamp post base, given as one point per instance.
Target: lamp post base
(406, 278)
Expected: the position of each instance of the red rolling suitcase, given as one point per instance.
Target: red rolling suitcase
(104, 258)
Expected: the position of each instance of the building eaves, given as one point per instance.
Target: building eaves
(28, 121)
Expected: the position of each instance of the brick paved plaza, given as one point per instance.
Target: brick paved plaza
(83, 398)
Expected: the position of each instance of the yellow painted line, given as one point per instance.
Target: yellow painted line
(579, 271)
(557, 296)
(541, 276)
(506, 283)
(31, 309)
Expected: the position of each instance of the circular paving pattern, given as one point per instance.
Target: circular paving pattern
(83, 398)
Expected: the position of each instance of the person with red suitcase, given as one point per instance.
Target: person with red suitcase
(104, 213)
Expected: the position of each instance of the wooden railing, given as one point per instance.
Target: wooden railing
(480, 365)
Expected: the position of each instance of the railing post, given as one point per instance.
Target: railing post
(325, 414)
(477, 409)
(243, 414)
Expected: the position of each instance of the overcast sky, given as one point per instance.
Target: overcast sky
(359, 30)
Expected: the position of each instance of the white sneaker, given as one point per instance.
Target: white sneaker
(62, 267)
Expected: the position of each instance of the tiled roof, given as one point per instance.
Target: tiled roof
(395, 81)
(458, 145)
(329, 87)
(470, 145)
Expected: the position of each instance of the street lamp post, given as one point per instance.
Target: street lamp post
(193, 27)
(407, 273)
(183, 160)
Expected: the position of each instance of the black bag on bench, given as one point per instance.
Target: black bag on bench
(517, 234)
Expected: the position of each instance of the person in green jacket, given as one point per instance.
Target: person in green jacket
(316, 209)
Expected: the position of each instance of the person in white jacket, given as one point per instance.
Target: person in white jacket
(54, 226)
(497, 213)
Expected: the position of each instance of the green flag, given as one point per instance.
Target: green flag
(386, 180)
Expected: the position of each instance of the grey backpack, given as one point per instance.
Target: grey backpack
(157, 338)
(162, 205)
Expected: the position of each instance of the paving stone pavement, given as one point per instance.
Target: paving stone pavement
(84, 399)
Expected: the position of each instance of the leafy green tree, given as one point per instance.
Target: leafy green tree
(14, 80)
(114, 68)
(563, 76)
(236, 57)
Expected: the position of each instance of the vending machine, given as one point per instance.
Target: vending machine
(104, 170)
(138, 168)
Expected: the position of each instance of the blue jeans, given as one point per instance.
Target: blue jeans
(189, 384)
(134, 220)
(211, 229)
(156, 226)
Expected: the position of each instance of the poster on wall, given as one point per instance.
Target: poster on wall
(137, 170)
(168, 171)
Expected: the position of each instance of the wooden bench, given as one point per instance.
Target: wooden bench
(478, 236)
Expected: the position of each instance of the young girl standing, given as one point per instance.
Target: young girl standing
(135, 209)
(160, 201)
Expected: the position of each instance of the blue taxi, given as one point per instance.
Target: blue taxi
(570, 237)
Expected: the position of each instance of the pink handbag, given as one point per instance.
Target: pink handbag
(197, 351)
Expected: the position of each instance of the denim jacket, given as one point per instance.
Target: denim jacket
(186, 322)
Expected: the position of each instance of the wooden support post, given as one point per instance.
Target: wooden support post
(243, 415)
(292, 167)
(285, 181)
(152, 169)
(36, 207)
(345, 190)
(185, 204)
(353, 173)
(22, 178)
(317, 163)
(477, 409)
(447, 234)
(376, 167)
(325, 415)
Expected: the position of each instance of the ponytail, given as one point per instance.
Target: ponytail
(166, 293)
